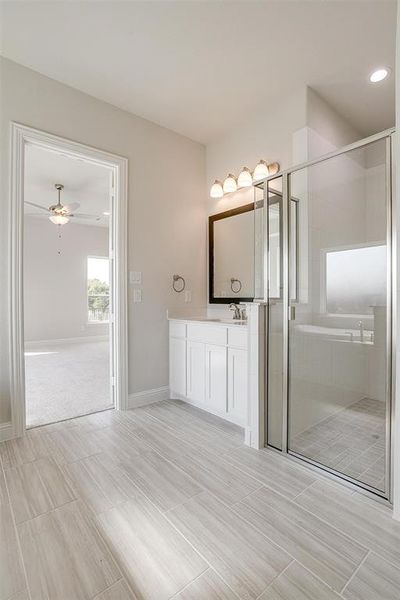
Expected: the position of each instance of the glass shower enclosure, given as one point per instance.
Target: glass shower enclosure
(324, 272)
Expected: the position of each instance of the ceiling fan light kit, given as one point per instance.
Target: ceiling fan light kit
(60, 214)
(59, 219)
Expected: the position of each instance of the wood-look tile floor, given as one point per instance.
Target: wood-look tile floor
(166, 502)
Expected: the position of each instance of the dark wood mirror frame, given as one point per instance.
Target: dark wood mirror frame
(211, 221)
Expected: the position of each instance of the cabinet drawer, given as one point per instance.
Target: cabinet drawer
(237, 337)
(177, 330)
(207, 334)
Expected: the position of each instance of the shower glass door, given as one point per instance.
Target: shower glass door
(338, 335)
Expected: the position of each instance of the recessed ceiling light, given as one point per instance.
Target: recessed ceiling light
(106, 214)
(379, 75)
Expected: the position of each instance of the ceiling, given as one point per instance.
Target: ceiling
(83, 182)
(200, 67)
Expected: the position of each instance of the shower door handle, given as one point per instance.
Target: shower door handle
(292, 313)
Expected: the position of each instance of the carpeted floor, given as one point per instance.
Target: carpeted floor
(65, 381)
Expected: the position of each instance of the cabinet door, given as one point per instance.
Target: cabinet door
(195, 371)
(177, 367)
(237, 383)
(216, 373)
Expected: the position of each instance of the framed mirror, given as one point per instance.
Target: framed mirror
(231, 255)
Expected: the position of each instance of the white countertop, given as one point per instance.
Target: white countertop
(209, 320)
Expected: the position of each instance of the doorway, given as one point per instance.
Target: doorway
(329, 298)
(69, 316)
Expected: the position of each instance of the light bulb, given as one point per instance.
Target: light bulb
(261, 171)
(273, 168)
(230, 184)
(379, 75)
(216, 190)
(59, 219)
(245, 179)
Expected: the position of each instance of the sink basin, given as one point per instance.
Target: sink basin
(216, 320)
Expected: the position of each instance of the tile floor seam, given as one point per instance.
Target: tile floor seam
(213, 567)
(306, 471)
(275, 578)
(190, 583)
(204, 489)
(355, 572)
(305, 489)
(195, 418)
(297, 559)
(43, 484)
(344, 533)
(107, 588)
(21, 556)
(246, 496)
(163, 515)
(353, 539)
(107, 546)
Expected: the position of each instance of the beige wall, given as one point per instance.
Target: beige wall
(55, 285)
(327, 129)
(166, 212)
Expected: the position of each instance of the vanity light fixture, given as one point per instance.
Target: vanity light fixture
(217, 190)
(230, 184)
(245, 178)
(379, 75)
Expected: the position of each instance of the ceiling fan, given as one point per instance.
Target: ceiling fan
(60, 214)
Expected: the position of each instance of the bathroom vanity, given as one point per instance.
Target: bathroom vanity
(208, 365)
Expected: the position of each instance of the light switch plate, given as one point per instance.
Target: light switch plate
(135, 277)
(188, 296)
(137, 296)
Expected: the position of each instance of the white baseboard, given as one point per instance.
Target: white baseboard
(6, 431)
(60, 341)
(148, 397)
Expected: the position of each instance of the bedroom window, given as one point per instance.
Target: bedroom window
(98, 288)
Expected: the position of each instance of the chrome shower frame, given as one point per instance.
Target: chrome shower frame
(391, 237)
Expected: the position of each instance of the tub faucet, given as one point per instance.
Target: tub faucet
(235, 307)
(360, 325)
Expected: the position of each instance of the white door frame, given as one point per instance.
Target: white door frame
(21, 136)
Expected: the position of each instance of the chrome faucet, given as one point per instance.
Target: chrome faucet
(237, 315)
(360, 325)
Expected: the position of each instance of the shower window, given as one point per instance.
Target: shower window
(354, 279)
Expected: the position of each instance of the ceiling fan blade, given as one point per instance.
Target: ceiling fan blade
(84, 216)
(36, 205)
(69, 208)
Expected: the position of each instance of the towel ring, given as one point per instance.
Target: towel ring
(238, 287)
(175, 279)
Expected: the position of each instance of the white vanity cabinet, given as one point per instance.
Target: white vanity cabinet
(237, 384)
(208, 367)
(193, 368)
(216, 373)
